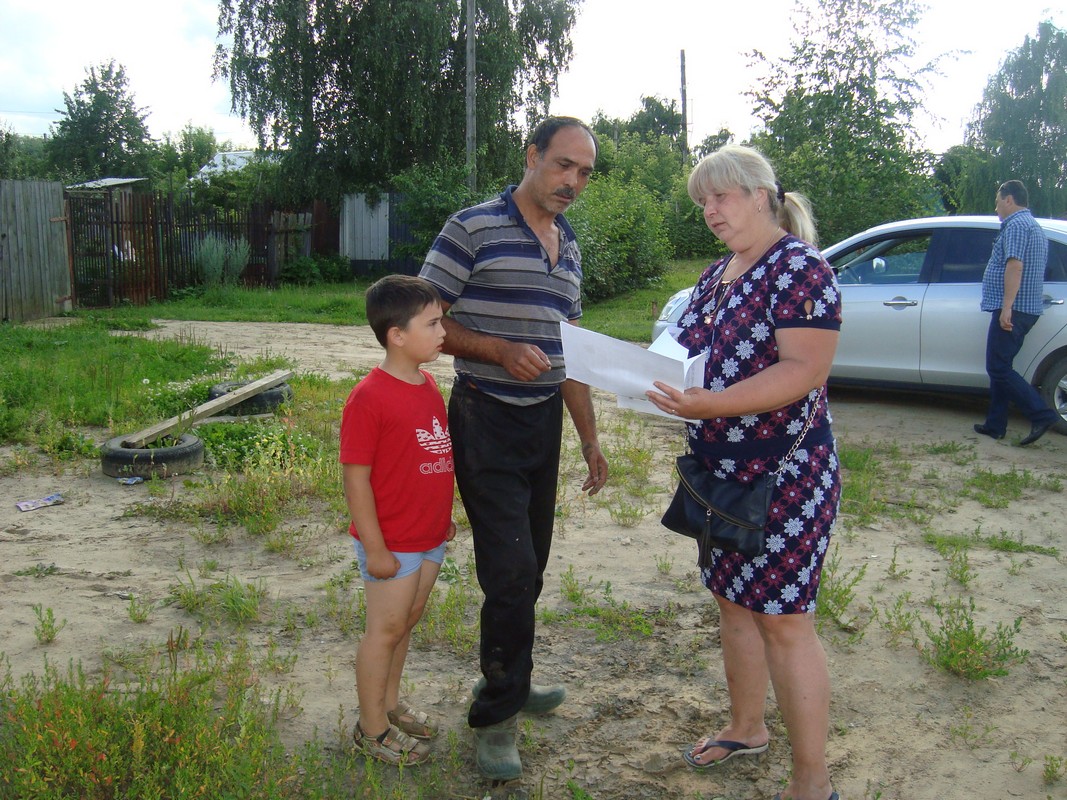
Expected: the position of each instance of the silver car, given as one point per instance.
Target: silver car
(911, 292)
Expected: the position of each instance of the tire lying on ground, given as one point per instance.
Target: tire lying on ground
(119, 460)
(262, 403)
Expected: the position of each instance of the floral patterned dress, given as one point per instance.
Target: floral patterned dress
(791, 286)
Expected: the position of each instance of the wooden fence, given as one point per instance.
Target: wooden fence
(35, 279)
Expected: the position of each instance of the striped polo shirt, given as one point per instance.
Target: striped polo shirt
(489, 265)
(1021, 237)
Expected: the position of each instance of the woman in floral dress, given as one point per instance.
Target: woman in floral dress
(768, 316)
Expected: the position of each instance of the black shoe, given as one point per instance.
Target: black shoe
(985, 430)
(1037, 430)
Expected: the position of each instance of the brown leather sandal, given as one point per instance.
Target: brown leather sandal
(393, 747)
(412, 722)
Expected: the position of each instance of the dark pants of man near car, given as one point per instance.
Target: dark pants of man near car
(507, 464)
(1007, 386)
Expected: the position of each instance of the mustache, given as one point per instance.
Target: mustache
(566, 192)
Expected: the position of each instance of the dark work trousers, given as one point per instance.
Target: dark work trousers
(507, 464)
(1007, 386)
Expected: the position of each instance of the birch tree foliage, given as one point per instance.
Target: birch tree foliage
(355, 92)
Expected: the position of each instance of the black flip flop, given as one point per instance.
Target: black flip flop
(732, 748)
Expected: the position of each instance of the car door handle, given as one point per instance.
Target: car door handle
(1051, 302)
(900, 302)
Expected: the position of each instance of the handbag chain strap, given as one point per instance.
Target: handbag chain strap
(807, 427)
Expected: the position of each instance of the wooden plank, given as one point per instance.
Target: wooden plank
(141, 438)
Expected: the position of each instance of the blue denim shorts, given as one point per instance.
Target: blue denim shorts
(409, 562)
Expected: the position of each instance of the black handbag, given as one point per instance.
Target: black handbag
(724, 514)
(728, 515)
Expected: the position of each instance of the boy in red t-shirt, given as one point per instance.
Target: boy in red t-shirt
(398, 476)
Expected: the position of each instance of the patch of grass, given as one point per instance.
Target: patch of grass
(229, 599)
(630, 316)
(611, 619)
(63, 378)
(38, 571)
(997, 489)
(171, 734)
(1004, 542)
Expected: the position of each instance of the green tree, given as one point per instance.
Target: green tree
(354, 93)
(837, 114)
(179, 157)
(1020, 127)
(102, 132)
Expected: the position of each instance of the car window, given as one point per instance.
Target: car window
(1056, 270)
(963, 254)
(888, 261)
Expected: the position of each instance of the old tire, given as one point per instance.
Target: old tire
(119, 460)
(1053, 391)
(263, 403)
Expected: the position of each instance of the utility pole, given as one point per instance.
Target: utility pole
(472, 89)
(685, 116)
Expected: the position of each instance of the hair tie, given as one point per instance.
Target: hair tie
(781, 192)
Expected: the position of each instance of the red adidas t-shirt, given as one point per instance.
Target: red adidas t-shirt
(401, 431)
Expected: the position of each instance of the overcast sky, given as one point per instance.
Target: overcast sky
(623, 49)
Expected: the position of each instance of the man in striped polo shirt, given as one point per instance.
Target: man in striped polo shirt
(508, 272)
(1012, 290)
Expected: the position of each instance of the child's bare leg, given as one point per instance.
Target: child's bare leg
(389, 605)
(427, 577)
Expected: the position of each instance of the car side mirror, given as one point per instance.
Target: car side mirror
(878, 266)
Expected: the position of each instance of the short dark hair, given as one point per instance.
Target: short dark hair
(393, 300)
(1017, 191)
(541, 136)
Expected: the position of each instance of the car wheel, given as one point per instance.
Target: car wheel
(262, 403)
(1053, 391)
(119, 460)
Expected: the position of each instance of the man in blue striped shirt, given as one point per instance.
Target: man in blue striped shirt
(509, 272)
(1012, 289)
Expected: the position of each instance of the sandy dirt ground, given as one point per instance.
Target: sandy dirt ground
(901, 729)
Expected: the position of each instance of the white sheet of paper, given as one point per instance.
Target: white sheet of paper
(626, 369)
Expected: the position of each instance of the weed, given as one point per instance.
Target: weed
(38, 571)
(1018, 762)
(1003, 542)
(610, 619)
(627, 515)
(228, 599)
(46, 628)
(1055, 768)
(967, 734)
(664, 564)
(959, 567)
(837, 590)
(958, 646)
(996, 489)
(896, 573)
(897, 620)
(139, 610)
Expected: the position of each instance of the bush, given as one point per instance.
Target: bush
(221, 261)
(428, 196)
(622, 235)
(688, 233)
(313, 270)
